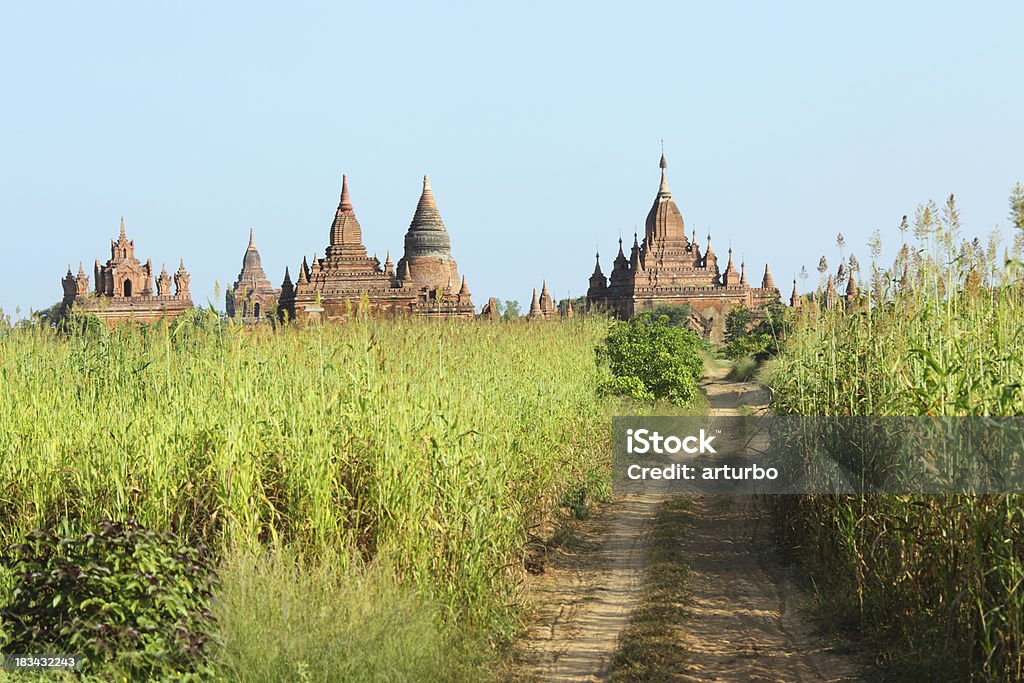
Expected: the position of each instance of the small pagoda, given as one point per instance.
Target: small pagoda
(124, 288)
(252, 299)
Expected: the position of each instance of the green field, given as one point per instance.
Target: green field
(935, 582)
(367, 489)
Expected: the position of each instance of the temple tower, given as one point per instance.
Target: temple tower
(252, 298)
(668, 268)
(428, 258)
(124, 287)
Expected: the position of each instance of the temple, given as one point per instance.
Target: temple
(542, 307)
(252, 298)
(124, 288)
(426, 281)
(667, 268)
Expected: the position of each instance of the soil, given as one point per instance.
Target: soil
(745, 618)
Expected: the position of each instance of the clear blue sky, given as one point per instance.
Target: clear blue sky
(784, 123)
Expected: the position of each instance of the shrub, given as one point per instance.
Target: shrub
(124, 598)
(678, 314)
(650, 359)
(760, 340)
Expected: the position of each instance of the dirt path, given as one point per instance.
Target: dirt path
(743, 619)
(588, 592)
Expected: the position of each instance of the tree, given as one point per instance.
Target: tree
(738, 322)
(650, 359)
(761, 340)
(677, 314)
(579, 305)
(1017, 206)
(510, 311)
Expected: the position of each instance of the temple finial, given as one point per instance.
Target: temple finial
(252, 238)
(123, 236)
(663, 189)
(427, 197)
(346, 200)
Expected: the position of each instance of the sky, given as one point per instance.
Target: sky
(540, 125)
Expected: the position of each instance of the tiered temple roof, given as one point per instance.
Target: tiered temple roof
(252, 298)
(425, 282)
(668, 268)
(124, 287)
(542, 307)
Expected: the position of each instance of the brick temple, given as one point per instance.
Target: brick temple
(252, 298)
(667, 268)
(426, 281)
(124, 288)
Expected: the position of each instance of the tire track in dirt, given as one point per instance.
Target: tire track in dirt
(744, 620)
(588, 592)
(745, 617)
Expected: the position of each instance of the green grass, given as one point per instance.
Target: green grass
(936, 581)
(650, 648)
(743, 370)
(287, 620)
(404, 461)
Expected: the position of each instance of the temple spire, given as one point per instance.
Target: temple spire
(663, 189)
(534, 306)
(252, 238)
(345, 205)
(852, 291)
(346, 234)
(123, 235)
(427, 216)
(767, 282)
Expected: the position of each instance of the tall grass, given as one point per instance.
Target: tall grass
(431, 448)
(939, 332)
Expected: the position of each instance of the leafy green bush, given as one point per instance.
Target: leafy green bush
(678, 314)
(761, 339)
(651, 359)
(87, 327)
(126, 599)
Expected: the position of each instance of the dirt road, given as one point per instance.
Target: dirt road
(588, 592)
(744, 619)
